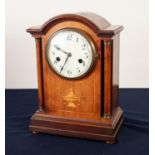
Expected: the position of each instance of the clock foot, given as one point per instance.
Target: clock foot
(34, 132)
(110, 141)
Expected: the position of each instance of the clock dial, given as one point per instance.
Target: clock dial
(70, 53)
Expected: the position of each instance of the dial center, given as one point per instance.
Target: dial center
(69, 54)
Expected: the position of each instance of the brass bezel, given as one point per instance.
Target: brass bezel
(91, 43)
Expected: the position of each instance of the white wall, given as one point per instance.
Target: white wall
(20, 46)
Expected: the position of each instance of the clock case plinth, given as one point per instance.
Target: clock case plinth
(106, 126)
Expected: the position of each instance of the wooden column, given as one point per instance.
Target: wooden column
(40, 74)
(107, 78)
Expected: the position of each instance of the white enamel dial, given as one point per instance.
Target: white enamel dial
(70, 53)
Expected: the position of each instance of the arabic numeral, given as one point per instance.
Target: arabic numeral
(55, 62)
(69, 37)
(69, 72)
(86, 55)
(83, 46)
(78, 69)
(53, 52)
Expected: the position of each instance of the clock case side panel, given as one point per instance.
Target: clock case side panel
(115, 72)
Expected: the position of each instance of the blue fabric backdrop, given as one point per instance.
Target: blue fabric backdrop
(132, 138)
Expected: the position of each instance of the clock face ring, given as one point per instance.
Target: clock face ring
(71, 53)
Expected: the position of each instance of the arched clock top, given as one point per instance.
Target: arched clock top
(95, 22)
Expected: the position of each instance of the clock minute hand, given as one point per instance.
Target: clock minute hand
(58, 48)
(64, 64)
(68, 55)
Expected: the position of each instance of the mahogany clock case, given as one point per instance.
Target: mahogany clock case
(86, 107)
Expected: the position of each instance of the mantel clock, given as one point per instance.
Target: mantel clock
(78, 77)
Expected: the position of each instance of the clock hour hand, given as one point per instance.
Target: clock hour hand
(58, 48)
